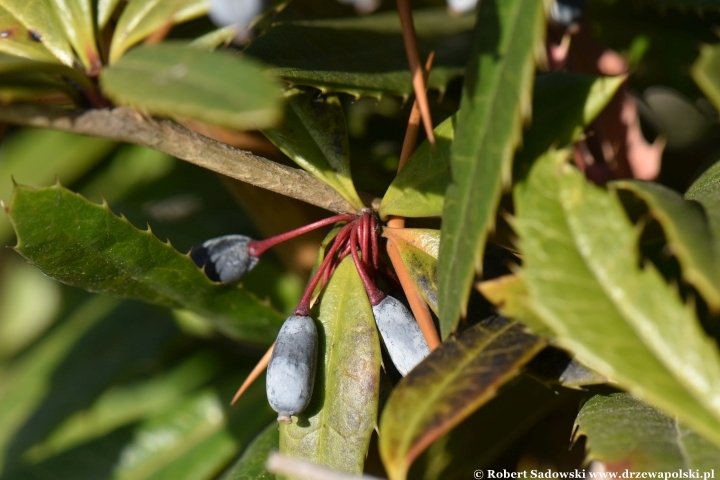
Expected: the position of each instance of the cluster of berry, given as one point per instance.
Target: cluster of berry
(291, 371)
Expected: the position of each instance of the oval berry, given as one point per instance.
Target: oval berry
(226, 259)
(401, 334)
(291, 371)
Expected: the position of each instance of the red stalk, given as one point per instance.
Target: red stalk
(374, 294)
(258, 247)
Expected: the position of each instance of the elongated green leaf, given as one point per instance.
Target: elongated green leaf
(496, 94)
(363, 56)
(706, 191)
(450, 384)
(76, 17)
(16, 40)
(314, 134)
(625, 433)
(564, 104)
(105, 9)
(86, 245)
(510, 294)
(122, 405)
(334, 431)
(39, 156)
(215, 39)
(580, 267)
(141, 18)
(68, 371)
(10, 64)
(706, 73)
(36, 87)
(174, 80)
(688, 234)
(418, 249)
(39, 16)
(251, 465)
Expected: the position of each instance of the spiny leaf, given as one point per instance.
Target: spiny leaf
(334, 431)
(16, 40)
(456, 379)
(173, 80)
(496, 94)
(688, 233)
(251, 465)
(140, 18)
(580, 267)
(314, 135)
(564, 104)
(39, 16)
(86, 245)
(625, 433)
(418, 249)
(363, 56)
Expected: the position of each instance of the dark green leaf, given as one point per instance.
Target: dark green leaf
(688, 234)
(496, 96)
(39, 156)
(625, 433)
(86, 245)
(36, 87)
(251, 465)
(580, 267)
(706, 73)
(141, 18)
(314, 135)
(173, 80)
(418, 249)
(334, 431)
(687, 5)
(706, 191)
(455, 380)
(17, 41)
(363, 56)
(10, 64)
(40, 17)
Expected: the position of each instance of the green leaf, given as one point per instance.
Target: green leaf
(215, 39)
(173, 80)
(418, 190)
(706, 73)
(10, 64)
(454, 381)
(36, 87)
(625, 433)
(418, 249)
(706, 191)
(39, 156)
(314, 134)
(40, 17)
(85, 245)
(564, 104)
(76, 17)
(105, 9)
(496, 95)
(688, 234)
(122, 405)
(365, 55)
(141, 18)
(17, 41)
(251, 465)
(334, 431)
(580, 267)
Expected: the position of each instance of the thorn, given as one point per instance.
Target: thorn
(149, 229)
(104, 201)
(4, 207)
(14, 182)
(254, 374)
(57, 180)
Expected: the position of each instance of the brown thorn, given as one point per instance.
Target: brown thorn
(411, 49)
(256, 372)
(417, 303)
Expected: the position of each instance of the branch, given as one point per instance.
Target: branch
(126, 125)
